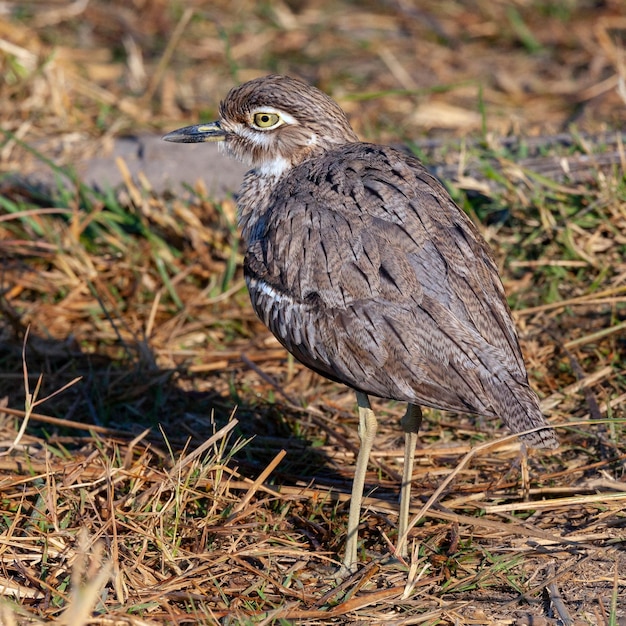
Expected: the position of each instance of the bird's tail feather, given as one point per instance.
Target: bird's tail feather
(519, 410)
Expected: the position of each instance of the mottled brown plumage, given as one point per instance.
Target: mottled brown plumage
(362, 266)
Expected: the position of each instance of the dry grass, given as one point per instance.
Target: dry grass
(146, 412)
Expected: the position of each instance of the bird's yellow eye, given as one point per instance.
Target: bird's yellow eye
(266, 120)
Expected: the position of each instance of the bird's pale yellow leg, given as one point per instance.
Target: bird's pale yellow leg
(411, 422)
(367, 432)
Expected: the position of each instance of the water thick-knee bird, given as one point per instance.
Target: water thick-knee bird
(364, 268)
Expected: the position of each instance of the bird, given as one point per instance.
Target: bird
(363, 267)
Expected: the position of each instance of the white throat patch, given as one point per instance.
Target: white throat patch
(273, 168)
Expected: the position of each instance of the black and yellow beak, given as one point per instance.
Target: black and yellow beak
(197, 134)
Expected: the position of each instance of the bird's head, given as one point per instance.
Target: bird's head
(273, 123)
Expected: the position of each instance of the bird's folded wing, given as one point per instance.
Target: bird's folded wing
(368, 273)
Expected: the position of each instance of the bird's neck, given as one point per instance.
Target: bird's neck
(259, 183)
(254, 196)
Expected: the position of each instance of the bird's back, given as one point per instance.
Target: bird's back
(363, 267)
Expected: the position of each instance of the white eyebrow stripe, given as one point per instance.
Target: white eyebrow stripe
(285, 117)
